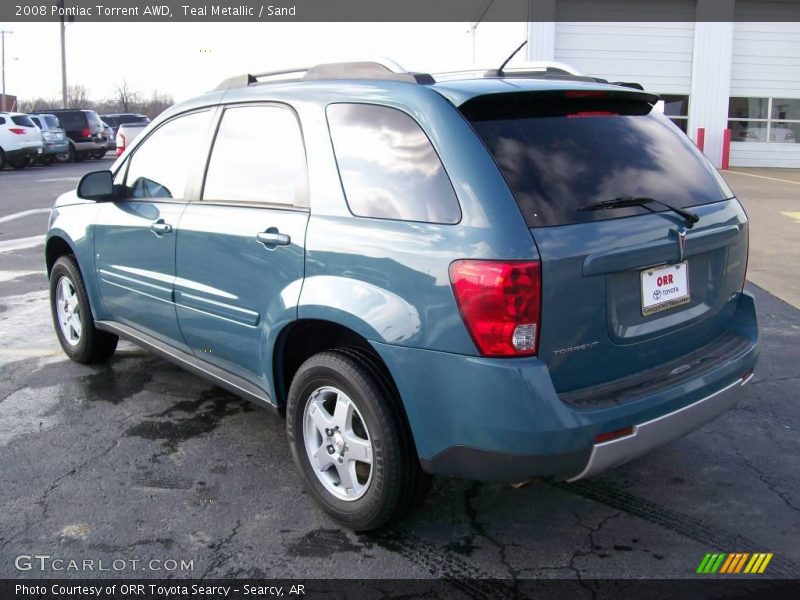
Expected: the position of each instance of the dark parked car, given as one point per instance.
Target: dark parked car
(117, 119)
(487, 277)
(85, 132)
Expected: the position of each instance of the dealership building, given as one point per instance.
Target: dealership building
(718, 64)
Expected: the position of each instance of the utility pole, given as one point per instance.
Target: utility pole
(63, 57)
(473, 28)
(3, 33)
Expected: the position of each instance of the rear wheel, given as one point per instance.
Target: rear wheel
(98, 154)
(347, 438)
(2, 159)
(20, 163)
(72, 316)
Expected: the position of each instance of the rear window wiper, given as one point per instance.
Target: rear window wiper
(626, 201)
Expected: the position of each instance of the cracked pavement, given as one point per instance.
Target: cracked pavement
(138, 459)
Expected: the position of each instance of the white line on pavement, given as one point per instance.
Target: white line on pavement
(58, 179)
(23, 214)
(12, 275)
(764, 177)
(22, 243)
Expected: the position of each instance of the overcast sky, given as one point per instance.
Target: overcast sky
(185, 59)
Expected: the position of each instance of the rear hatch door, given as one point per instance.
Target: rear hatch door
(624, 289)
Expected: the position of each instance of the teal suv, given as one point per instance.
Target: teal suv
(493, 276)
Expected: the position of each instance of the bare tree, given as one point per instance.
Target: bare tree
(126, 98)
(78, 97)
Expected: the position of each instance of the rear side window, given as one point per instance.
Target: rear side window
(36, 122)
(93, 118)
(72, 120)
(388, 167)
(160, 167)
(22, 121)
(2, 121)
(562, 150)
(258, 156)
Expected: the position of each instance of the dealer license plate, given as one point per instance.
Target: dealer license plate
(665, 287)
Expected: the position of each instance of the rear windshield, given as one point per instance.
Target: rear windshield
(52, 122)
(563, 150)
(132, 119)
(22, 121)
(112, 121)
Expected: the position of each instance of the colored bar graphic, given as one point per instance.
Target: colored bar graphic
(703, 563)
(727, 564)
(765, 563)
(722, 563)
(741, 562)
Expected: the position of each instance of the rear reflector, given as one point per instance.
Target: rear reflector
(613, 435)
(16, 130)
(500, 303)
(120, 144)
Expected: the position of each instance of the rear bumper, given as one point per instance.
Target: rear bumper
(89, 146)
(657, 432)
(56, 147)
(501, 419)
(26, 152)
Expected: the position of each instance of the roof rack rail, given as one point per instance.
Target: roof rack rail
(383, 70)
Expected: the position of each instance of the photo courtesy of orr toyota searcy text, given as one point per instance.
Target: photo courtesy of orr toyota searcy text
(159, 591)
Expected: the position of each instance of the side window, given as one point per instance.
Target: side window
(389, 168)
(160, 166)
(2, 121)
(258, 156)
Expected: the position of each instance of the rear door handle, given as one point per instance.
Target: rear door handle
(160, 227)
(272, 237)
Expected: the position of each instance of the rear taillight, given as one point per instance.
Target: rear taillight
(500, 303)
(86, 132)
(16, 130)
(120, 144)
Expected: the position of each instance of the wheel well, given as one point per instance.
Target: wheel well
(56, 248)
(302, 340)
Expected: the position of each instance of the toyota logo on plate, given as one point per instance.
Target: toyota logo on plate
(656, 294)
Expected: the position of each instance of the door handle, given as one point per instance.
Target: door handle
(160, 227)
(272, 237)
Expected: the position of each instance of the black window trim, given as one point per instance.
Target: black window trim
(304, 205)
(189, 188)
(430, 141)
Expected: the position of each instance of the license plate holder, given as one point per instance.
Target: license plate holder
(664, 287)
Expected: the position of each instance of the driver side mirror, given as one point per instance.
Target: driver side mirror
(97, 185)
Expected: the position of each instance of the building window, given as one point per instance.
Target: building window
(676, 108)
(767, 120)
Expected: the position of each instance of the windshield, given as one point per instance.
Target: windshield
(559, 153)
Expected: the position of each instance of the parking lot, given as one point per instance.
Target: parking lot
(138, 460)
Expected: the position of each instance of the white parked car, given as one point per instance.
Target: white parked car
(20, 140)
(127, 132)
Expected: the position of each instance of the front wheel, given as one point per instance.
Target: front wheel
(347, 437)
(72, 316)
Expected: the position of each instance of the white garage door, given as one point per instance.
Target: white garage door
(656, 54)
(765, 85)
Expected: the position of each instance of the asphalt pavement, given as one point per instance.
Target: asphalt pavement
(137, 460)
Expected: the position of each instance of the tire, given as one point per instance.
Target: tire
(85, 344)
(2, 159)
(75, 156)
(47, 160)
(19, 164)
(380, 489)
(98, 154)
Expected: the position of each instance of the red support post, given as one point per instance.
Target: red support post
(726, 149)
(701, 138)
